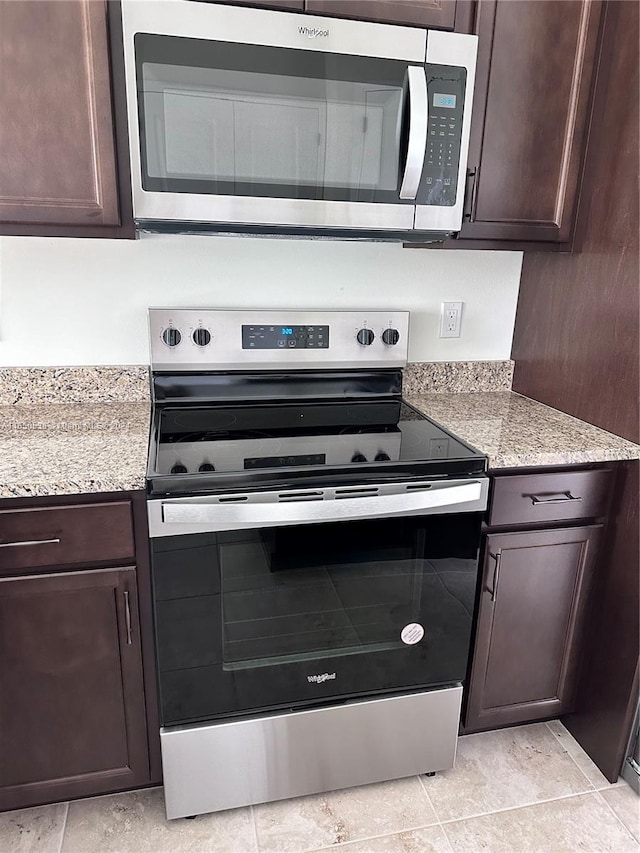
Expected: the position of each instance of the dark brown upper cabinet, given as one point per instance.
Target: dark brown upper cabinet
(440, 14)
(58, 169)
(533, 599)
(536, 67)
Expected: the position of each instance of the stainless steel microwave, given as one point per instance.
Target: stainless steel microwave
(254, 121)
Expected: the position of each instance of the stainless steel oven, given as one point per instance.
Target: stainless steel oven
(314, 548)
(273, 122)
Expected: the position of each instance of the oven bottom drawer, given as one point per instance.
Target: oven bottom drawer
(208, 768)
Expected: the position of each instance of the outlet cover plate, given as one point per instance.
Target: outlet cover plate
(450, 319)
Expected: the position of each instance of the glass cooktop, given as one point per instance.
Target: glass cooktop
(285, 439)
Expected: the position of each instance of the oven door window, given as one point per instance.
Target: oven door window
(282, 617)
(299, 594)
(234, 119)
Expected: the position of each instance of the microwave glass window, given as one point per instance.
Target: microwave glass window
(235, 126)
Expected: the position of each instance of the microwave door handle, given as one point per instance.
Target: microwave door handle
(465, 497)
(418, 125)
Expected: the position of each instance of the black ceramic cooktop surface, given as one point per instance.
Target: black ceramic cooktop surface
(278, 442)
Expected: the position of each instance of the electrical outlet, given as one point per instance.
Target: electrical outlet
(450, 319)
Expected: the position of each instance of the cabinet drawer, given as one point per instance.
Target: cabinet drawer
(50, 536)
(534, 498)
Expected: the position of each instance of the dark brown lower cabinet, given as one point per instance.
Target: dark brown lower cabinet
(72, 704)
(534, 590)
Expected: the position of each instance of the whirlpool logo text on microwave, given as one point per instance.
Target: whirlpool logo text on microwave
(319, 679)
(313, 32)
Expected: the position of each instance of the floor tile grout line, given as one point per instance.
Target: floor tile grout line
(446, 835)
(557, 737)
(424, 788)
(64, 827)
(617, 817)
(255, 828)
(522, 806)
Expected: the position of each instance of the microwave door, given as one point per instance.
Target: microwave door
(248, 135)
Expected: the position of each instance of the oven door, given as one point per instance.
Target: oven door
(287, 615)
(257, 118)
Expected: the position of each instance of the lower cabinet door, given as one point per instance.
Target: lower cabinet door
(72, 711)
(532, 605)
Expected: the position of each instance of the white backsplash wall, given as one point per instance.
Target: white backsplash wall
(76, 302)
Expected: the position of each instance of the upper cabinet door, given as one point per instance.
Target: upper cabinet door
(439, 14)
(57, 159)
(530, 116)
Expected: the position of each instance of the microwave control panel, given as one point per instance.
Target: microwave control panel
(445, 92)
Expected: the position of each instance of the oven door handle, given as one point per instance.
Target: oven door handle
(202, 516)
(418, 125)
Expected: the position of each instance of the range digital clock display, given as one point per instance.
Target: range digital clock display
(285, 337)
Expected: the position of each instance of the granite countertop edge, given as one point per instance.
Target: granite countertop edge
(48, 489)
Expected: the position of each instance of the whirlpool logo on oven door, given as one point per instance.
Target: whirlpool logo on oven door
(313, 32)
(319, 679)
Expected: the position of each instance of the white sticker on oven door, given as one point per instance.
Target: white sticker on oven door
(412, 633)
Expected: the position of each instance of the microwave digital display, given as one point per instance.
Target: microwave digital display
(448, 101)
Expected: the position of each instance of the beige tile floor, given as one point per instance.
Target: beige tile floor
(529, 788)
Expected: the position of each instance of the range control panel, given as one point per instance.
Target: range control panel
(191, 339)
(281, 336)
(445, 91)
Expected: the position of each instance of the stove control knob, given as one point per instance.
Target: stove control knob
(382, 456)
(179, 469)
(206, 466)
(365, 337)
(358, 457)
(171, 337)
(390, 337)
(201, 337)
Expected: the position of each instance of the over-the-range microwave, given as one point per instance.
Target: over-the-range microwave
(264, 122)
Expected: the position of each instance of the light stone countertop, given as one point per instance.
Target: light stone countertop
(516, 432)
(51, 443)
(73, 448)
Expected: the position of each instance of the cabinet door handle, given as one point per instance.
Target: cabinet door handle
(563, 497)
(127, 616)
(496, 573)
(473, 174)
(26, 542)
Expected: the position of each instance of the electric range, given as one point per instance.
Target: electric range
(314, 544)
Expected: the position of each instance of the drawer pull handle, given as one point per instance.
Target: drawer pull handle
(496, 573)
(29, 542)
(565, 497)
(127, 617)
